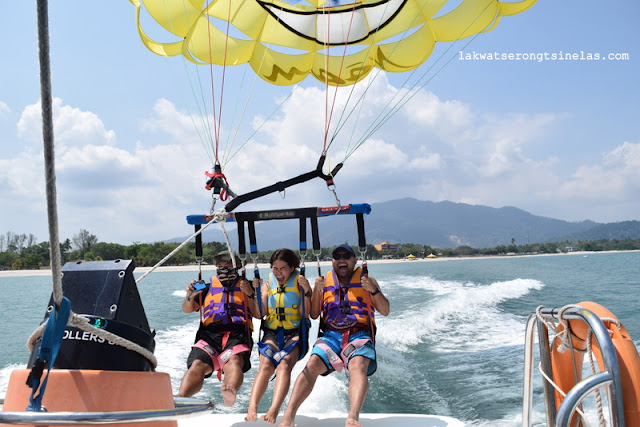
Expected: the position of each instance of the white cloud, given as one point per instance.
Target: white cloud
(176, 124)
(616, 177)
(118, 195)
(427, 110)
(4, 109)
(72, 126)
(144, 193)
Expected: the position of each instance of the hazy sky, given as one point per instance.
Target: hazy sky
(557, 138)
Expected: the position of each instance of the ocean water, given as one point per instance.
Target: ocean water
(452, 345)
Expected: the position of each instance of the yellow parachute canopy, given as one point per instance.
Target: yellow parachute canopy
(394, 35)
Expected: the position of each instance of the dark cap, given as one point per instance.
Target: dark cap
(224, 256)
(345, 247)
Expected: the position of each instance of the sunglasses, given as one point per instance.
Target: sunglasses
(342, 255)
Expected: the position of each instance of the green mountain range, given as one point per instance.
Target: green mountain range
(437, 224)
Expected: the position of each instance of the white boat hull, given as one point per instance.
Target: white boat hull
(317, 420)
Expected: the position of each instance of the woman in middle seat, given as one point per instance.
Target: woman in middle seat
(285, 297)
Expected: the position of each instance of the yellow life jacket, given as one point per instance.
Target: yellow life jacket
(284, 303)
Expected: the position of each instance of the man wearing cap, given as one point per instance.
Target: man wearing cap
(223, 341)
(346, 300)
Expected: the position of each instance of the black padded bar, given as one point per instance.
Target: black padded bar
(198, 241)
(315, 235)
(303, 234)
(282, 185)
(242, 249)
(253, 246)
(362, 239)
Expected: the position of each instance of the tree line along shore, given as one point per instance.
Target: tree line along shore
(21, 252)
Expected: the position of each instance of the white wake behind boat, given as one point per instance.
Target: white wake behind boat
(110, 397)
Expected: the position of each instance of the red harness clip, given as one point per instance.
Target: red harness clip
(213, 175)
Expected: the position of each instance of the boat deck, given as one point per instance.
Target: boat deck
(316, 420)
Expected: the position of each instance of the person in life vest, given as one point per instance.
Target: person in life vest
(346, 299)
(283, 296)
(223, 341)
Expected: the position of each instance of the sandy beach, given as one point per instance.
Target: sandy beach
(311, 264)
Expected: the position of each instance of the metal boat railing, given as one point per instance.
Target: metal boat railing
(609, 377)
(184, 407)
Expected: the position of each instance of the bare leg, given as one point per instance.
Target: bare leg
(358, 388)
(302, 388)
(233, 377)
(259, 387)
(283, 380)
(194, 378)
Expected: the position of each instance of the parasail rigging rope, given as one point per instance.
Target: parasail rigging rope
(389, 110)
(51, 196)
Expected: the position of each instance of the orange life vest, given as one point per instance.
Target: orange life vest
(344, 305)
(225, 304)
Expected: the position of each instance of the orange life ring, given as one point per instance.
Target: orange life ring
(628, 360)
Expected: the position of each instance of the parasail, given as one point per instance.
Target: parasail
(284, 42)
(337, 43)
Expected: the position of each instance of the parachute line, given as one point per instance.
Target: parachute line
(360, 101)
(387, 112)
(409, 94)
(205, 135)
(335, 94)
(229, 155)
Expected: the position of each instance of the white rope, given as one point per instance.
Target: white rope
(555, 386)
(173, 252)
(565, 334)
(598, 397)
(221, 216)
(82, 322)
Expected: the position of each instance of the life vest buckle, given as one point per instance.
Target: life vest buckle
(345, 308)
(230, 308)
(280, 310)
(281, 317)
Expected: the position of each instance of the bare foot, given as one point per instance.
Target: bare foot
(251, 416)
(228, 394)
(270, 417)
(286, 423)
(352, 423)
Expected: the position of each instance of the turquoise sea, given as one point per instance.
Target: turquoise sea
(452, 345)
